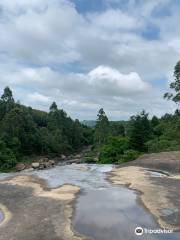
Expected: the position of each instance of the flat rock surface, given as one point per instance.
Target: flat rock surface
(167, 161)
(34, 214)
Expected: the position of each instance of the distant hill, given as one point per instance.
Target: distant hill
(89, 123)
(92, 123)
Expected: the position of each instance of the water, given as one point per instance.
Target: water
(86, 176)
(154, 173)
(167, 211)
(113, 213)
(102, 211)
(1, 216)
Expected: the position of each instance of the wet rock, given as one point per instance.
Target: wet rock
(35, 165)
(20, 167)
(28, 169)
(78, 156)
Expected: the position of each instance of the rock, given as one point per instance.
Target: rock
(63, 157)
(35, 165)
(52, 162)
(78, 156)
(41, 160)
(41, 166)
(20, 166)
(28, 170)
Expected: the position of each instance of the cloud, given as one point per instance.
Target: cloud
(111, 81)
(117, 20)
(82, 94)
(49, 50)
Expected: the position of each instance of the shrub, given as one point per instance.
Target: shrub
(159, 145)
(113, 150)
(128, 155)
(7, 157)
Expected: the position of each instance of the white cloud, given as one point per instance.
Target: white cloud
(81, 95)
(110, 80)
(37, 97)
(116, 64)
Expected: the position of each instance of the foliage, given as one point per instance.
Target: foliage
(117, 129)
(102, 128)
(139, 131)
(7, 158)
(159, 145)
(128, 155)
(25, 132)
(175, 85)
(113, 150)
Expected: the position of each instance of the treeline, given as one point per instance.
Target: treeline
(25, 132)
(116, 142)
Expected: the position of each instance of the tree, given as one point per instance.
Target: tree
(7, 95)
(175, 85)
(140, 131)
(53, 107)
(7, 158)
(117, 129)
(102, 128)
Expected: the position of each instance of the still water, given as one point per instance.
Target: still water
(1, 216)
(103, 211)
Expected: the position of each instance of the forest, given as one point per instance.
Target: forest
(28, 132)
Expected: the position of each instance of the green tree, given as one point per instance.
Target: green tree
(7, 158)
(175, 86)
(140, 131)
(7, 96)
(102, 128)
(53, 107)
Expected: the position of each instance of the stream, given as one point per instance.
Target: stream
(102, 211)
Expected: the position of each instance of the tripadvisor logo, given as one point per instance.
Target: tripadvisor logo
(139, 231)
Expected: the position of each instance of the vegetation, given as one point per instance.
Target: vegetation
(175, 85)
(25, 132)
(28, 132)
(124, 142)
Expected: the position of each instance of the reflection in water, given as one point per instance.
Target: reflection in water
(154, 173)
(113, 214)
(1, 216)
(102, 211)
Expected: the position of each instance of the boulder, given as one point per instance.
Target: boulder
(35, 165)
(52, 162)
(63, 157)
(20, 166)
(78, 156)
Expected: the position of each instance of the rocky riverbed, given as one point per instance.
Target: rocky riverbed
(89, 201)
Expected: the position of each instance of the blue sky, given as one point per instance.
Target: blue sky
(88, 54)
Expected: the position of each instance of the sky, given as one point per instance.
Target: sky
(88, 54)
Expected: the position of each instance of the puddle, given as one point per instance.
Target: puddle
(166, 211)
(113, 213)
(102, 211)
(1, 216)
(154, 173)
